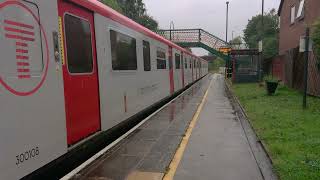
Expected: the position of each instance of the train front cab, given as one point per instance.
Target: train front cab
(32, 126)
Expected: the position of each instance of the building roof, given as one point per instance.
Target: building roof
(280, 7)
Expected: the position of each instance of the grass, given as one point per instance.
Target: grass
(291, 134)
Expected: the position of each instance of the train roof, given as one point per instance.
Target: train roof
(100, 8)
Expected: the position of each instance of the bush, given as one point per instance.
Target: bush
(316, 40)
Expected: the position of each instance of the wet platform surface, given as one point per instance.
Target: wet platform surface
(148, 151)
(218, 147)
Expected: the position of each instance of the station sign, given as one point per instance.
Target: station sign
(225, 50)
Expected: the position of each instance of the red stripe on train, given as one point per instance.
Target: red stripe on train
(23, 64)
(12, 36)
(23, 70)
(18, 31)
(22, 57)
(21, 51)
(24, 76)
(21, 44)
(14, 23)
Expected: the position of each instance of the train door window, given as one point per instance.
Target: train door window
(190, 64)
(123, 51)
(185, 63)
(161, 59)
(79, 50)
(146, 56)
(194, 64)
(178, 61)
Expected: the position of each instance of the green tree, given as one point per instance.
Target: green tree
(113, 4)
(216, 64)
(270, 33)
(135, 10)
(148, 22)
(236, 42)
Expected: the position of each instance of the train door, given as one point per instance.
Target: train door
(200, 69)
(182, 69)
(171, 71)
(79, 72)
(195, 69)
(177, 70)
(191, 67)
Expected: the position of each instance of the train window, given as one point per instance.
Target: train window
(161, 59)
(79, 50)
(146, 56)
(123, 51)
(194, 64)
(190, 64)
(178, 61)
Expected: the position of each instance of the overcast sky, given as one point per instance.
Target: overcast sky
(209, 15)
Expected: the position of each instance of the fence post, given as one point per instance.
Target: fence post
(306, 61)
(234, 68)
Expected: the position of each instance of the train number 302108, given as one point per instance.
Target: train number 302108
(27, 155)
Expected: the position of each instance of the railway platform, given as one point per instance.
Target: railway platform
(195, 136)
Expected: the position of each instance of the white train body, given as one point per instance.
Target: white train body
(56, 90)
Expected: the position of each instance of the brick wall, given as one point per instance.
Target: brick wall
(290, 33)
(292, 60)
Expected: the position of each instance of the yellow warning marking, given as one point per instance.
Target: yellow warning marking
(61, 42)
(180, 151)
(137, 175)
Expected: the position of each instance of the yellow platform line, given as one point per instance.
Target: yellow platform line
(180, 151)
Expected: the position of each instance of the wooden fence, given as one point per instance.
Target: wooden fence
(290, 69)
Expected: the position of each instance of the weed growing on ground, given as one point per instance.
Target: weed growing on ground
(291, 134)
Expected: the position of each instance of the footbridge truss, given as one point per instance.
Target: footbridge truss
(189, 38)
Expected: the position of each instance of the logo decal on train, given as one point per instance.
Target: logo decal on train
(24, 48)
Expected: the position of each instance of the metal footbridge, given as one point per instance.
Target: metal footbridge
(188, 38)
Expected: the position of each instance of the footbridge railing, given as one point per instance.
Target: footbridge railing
(196, 38)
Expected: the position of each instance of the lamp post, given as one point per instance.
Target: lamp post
(262, 13)
(261, 41)
(171, 28)
(262, 27)
(232, 37)
(227, 19)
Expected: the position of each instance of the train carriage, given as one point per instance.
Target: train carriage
(71, 69)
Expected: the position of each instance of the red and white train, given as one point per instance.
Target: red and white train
(70, 69)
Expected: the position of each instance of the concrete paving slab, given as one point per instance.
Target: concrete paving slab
(218, 148)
